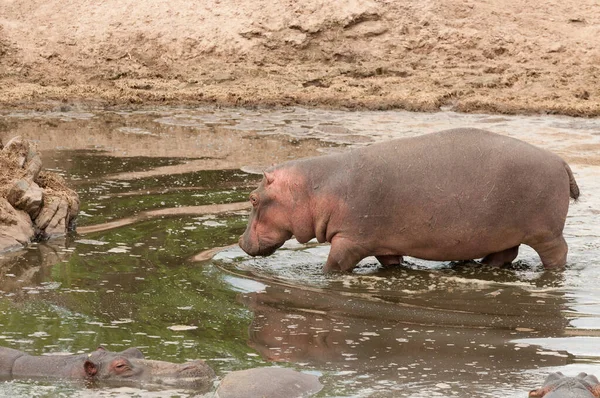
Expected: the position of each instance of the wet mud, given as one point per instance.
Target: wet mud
(154, 263)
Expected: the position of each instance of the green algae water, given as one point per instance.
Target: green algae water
(154, 263)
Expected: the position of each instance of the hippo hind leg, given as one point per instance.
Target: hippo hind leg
(553, 252)
(500, 258)
(387, 261)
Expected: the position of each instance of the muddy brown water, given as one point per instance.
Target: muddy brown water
(161, 189)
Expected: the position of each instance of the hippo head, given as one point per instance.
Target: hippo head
(269, 224)
(558, 385)
(104, 364)
(129, 366)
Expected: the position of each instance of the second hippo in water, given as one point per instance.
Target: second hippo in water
(459, 194)
(557, 385)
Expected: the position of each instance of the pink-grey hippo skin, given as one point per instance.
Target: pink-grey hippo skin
(130, 368)
(268, 383)
(458, 194)
(558, 385)
(125, 367)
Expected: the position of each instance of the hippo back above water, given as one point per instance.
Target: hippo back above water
(459, 194)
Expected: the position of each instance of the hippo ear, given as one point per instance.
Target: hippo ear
(90, 368)
(132, 353)
(100, 348)
(539, 393)
(268, 177)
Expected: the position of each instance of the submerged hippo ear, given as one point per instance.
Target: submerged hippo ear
(540, 392)
(132, 353)
(90, 368)
(269, 177)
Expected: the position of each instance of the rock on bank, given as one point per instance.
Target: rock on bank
(34, 204)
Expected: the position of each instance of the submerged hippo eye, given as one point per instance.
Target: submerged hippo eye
(121, 365)
(254, 200)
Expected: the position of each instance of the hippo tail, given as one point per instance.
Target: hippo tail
(572, 183)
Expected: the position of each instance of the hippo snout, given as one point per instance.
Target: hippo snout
(194, 374)
(193, 369)
(258, 248)
(247, 247)
(196, 368)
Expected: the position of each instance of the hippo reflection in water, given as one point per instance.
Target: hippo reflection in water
(557, 385)
(129, 366)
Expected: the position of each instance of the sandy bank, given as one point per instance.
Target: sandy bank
(503, 56)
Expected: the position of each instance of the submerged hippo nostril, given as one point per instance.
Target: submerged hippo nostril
(189, 368)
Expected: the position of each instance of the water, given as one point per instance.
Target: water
(160, 191)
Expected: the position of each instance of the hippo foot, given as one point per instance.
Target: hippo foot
(553, 252)
(501, 258)
(388, 261)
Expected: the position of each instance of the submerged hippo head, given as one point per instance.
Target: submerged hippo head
(130, 366)
(269, 224)
(558, 385)
(125, 367)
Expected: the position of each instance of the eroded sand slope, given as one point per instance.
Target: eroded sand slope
(500, 56)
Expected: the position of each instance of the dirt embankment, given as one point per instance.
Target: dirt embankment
(509, 56)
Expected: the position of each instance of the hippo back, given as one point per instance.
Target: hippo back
(268, 383)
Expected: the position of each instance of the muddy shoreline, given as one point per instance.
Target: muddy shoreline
(250, 92)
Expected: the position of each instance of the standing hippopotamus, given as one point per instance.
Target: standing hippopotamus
(102, 365)
(558, 385)
(459, 194)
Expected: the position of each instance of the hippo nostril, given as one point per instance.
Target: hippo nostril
(189, 370)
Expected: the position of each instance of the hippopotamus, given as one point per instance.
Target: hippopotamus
(557, 385)
(454, 195)
(129, 366)
(102, 365)
(268, 383)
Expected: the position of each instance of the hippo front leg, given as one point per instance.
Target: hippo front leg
(343, 256)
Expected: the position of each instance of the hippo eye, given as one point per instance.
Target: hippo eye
(254, 200)
(121, 366)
